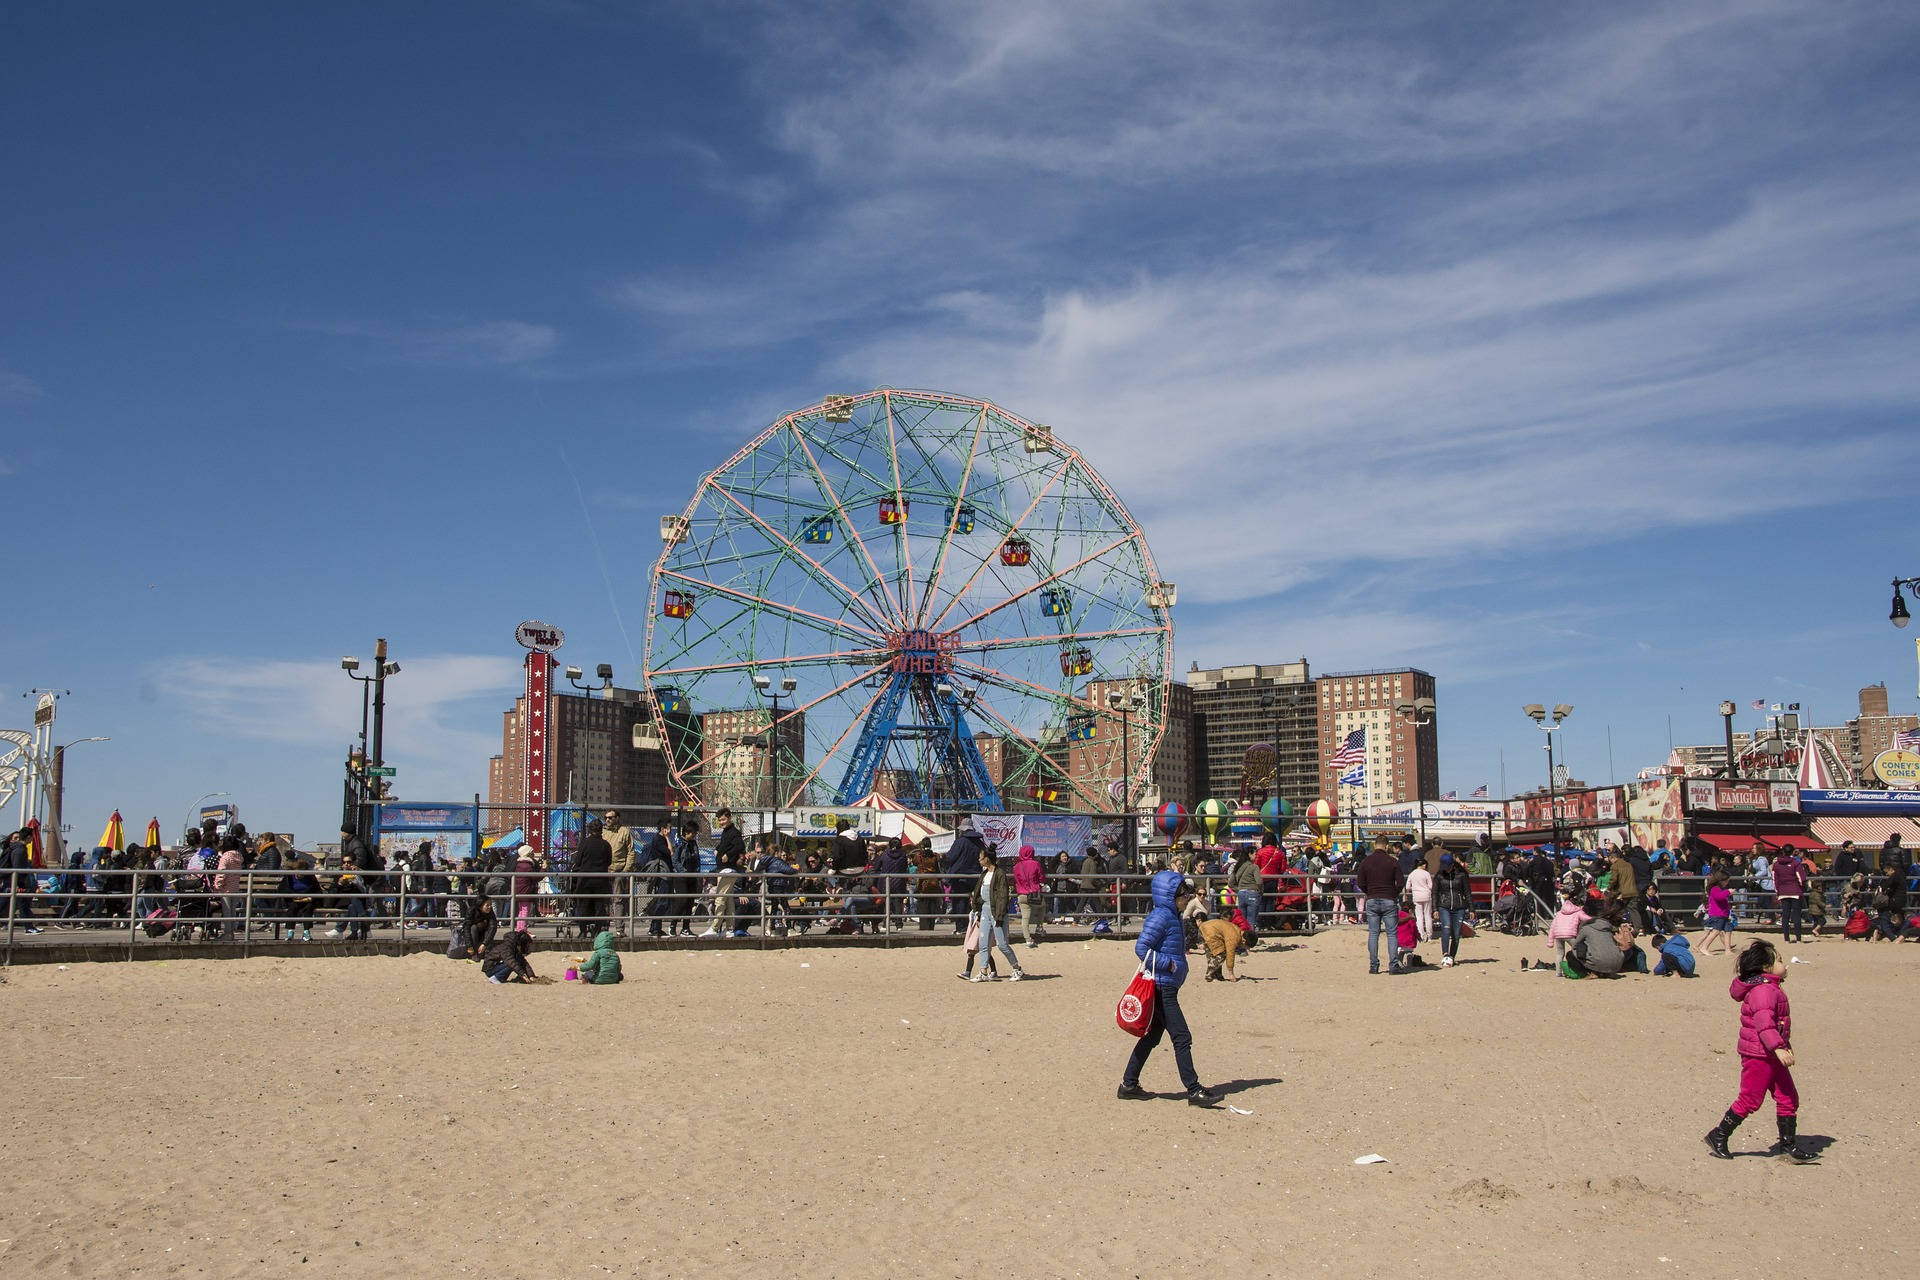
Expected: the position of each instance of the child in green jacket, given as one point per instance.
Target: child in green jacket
(602, 967)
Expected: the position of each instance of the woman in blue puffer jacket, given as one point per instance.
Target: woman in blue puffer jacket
(1162, 938)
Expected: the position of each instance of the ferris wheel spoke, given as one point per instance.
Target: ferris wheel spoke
(902, 540)
(844, 657)
(953, 519)
(1050, 579)
(960, 595)
(772, 606)
(1064, 637)
(825, 576)
(846, 522)
(832, 753)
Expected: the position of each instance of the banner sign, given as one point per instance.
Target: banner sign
(423, 817)
(1897, 768)
(1603, 806)
(1048, 833)
(1721, 796)
(1904, 802)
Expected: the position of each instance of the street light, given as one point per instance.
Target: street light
(1419, 713)
(56, 796)
(193, 814)
(1732, 769)
(1899, 616)
(1538, 714)
(354, 813)
(1123, 704)
(763, 685)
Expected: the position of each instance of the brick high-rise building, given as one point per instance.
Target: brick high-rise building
(593, 759)
(1236, 707)
(1873, 730)
(734, 761)
(1403, 760)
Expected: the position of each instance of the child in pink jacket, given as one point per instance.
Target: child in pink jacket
(1766, 1053)
(1566, 926)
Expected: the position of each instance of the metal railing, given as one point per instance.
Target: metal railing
(146, 911)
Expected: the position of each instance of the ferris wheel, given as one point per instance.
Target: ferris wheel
(912, 594)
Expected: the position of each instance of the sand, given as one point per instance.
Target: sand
(842, 1112)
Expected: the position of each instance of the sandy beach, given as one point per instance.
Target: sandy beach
(856, 1113)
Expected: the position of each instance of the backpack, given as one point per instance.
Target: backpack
(1858, 926)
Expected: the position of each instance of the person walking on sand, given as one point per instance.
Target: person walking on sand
(1766, 1053)
(992, 893)
(1420, 889)
(1030, 882)
(1163, 945)
(1453, 902)
(1380, 881)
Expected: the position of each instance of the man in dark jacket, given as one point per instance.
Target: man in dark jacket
(729, 846)
(960, 869)
(656, 863)
(591, 861)
(1642, 881)
(848, 853)
(1380, 882)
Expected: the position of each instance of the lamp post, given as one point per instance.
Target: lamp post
(1726, 715)
(357, 773)
(1124, 704)
(1419, 713)
(373, 691)
(1538, 714)
(764, 686)
(56, 797)
(1900, 616)
(193, 814)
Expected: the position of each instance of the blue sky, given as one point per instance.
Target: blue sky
(1564, 351)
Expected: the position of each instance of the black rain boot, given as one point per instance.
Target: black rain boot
(1717, 1140)
(1789, 1145)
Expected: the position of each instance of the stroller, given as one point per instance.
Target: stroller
(1518, 909)
(192, 904)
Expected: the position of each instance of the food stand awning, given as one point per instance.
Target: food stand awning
(1743, 842)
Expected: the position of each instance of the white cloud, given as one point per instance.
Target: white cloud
(480, 344)
(17, 387)
(442, 711)
(1400, 291)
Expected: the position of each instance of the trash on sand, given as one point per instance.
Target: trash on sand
(805, 965)
(1239, 1111)
(905, 1023)
(1371, 1159)
(1798, 960)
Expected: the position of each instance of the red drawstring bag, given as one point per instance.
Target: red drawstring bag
(1135, 1011)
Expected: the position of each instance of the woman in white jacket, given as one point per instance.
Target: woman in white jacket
(1420, 889)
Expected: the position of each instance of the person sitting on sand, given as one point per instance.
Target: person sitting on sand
(1221, 938)
(478, 923)
(506, 960)
(1602, 949)
(601, 966)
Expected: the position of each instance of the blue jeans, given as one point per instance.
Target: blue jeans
(993, 934)
(1166, 1017)
(1383, 916)
(1450, 931)
(1249, 903)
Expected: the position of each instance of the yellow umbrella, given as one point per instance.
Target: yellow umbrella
(153, 833)
(114, 837)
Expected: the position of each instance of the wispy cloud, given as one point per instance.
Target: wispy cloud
(475, 345)
(17, 386)
(1429, 289)
(440, 709)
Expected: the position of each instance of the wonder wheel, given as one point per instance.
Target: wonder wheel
(910, 594)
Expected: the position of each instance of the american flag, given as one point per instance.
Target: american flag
(1759, 704)
(1351, 759)
(1450, 795)
(1479, 792)
(1907, 740)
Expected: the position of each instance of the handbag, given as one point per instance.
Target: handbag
(973, 932)
(1134, 1013)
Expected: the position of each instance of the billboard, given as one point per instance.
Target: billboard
(1758, 796)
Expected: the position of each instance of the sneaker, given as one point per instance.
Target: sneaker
(739, 933)
(1201, 1096)
(497, 980)
(1446, 962)
(710, 933)
(964, 976)
(1018, 974)
(981, 977)
(1131, 1093)
(335, 933)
